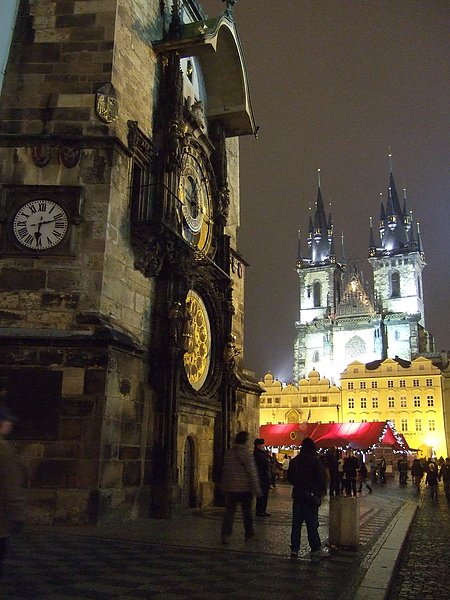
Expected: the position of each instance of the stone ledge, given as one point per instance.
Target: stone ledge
(376, 582)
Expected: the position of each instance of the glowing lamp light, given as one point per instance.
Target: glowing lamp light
(431, 441)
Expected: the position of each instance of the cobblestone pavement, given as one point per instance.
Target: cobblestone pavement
(183, 558)
(423, 572)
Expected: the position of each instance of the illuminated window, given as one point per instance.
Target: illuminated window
(351, 403)
(317, 294)
(429, 382)
(431, 425)
(416, 401)
(395, 284)
(374, 384)
(404, 425)
(350, 385)
(390, 383)
(403, 402)
(391, 402)
(416, 383)
(430, 401)
(362, 385)
(363, 403)
(374, 402)
(418, 424)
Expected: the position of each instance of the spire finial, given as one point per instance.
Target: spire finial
(318, 176)
(390, 159)
(370, 222)
(404, 193)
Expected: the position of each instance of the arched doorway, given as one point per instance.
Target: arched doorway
(188, 489)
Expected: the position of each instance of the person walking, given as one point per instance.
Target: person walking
(341, 474)
(350, 471)
(373, 470)
(263, 468)
(307, 476)
(444, 474)
(274, 466)
(402, 466)
(382, 470)
(332, 458)
(285, 465)
(364, 478)
(432, 480)
(240, 483)
(11, 492)
(417, 471)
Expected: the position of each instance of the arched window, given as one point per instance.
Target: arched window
(317, 292)
(395, 284)
(316, 356)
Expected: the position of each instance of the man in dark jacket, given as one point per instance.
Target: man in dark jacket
(307, 474)
(11, 495)
(263, 467)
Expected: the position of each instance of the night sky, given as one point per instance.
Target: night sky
(334, 84)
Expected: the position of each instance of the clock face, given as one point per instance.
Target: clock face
(40, 224)
(197, 358)
(195, 199)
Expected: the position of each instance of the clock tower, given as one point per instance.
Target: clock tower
(121, 288)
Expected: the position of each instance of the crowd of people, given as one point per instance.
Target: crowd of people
(311, 474)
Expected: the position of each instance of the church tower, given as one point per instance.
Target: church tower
(320, 286)
(341, 317)
(397, 262)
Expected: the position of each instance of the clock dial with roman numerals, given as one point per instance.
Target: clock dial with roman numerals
(40, 224)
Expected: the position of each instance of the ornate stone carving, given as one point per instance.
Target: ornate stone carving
(148, 250)
(175, 145)
(70, 155)
(139, 143)
(41, 154)
(223, 207)
(229, 355)
(106, 104)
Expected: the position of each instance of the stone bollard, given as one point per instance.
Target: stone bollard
(344, 521)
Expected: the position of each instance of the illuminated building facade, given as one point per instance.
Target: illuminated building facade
(341, 319)
(121, 288)
(313, 400)
(411, 395)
